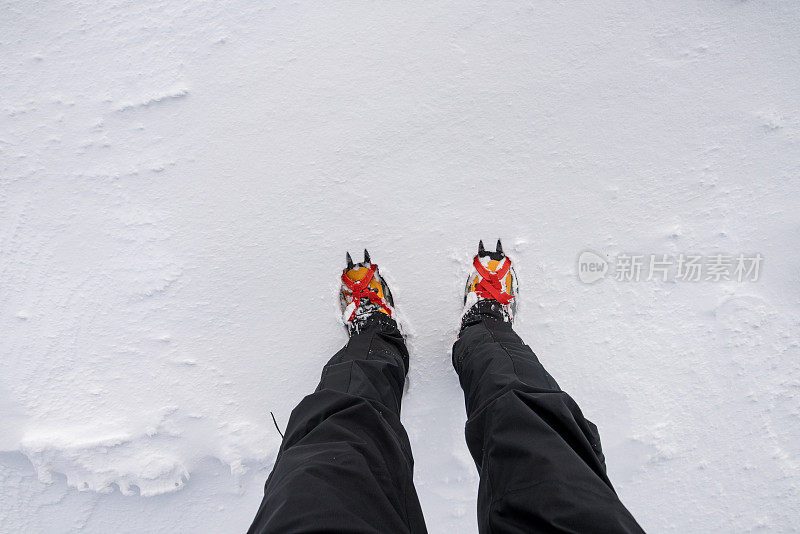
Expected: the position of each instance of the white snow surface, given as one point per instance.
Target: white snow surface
(179, 182)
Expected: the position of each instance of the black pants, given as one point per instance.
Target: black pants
(345, 463)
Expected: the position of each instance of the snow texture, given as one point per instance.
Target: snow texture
(179, 182)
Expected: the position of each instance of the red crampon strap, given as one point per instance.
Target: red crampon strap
(361, 290)
(490, 287)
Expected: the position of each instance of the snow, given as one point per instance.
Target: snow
(179, 182)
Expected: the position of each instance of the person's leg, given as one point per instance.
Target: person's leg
(345, 463)
(540, 462)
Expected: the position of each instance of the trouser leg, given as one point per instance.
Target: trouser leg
(345, 464)
(540, 461)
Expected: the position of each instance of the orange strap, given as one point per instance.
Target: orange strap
(490, 287)
(361, 290)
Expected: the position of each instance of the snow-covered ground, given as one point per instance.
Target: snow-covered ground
(179, 182)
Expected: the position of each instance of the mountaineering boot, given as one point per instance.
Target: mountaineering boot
(364, 296)
(491, 288)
